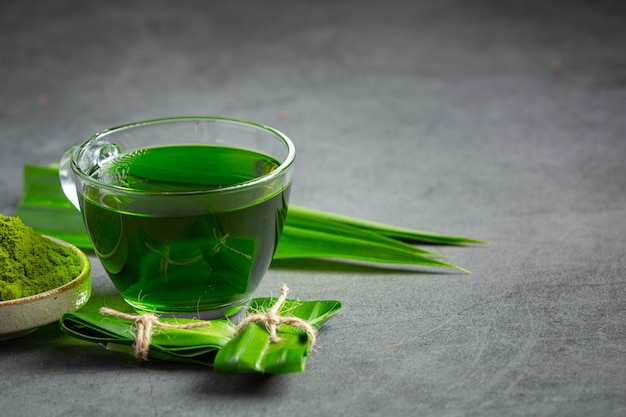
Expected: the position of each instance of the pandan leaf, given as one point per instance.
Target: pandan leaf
(217, 344)
(308, 218)
(307, 233)
(251, 350)
(196, 345)
(307, 243)
(45, 208)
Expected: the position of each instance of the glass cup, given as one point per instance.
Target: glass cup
(183, 213)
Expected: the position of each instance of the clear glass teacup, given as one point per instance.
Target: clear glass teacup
(184, 213)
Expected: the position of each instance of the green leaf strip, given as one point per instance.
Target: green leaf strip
(303, 217)
(307, 243)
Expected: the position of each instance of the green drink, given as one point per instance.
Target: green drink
(207, 254)
(184, 213)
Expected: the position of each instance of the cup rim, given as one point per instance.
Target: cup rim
(281, 169)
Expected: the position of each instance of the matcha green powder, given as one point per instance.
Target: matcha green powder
(31, 264)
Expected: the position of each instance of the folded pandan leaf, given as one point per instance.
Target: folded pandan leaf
(307, 233)
(196, 345)
(252, 349)
(218, 344)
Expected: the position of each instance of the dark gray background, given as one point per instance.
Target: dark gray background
(500, 120)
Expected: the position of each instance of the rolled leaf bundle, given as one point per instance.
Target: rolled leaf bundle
(216, 343)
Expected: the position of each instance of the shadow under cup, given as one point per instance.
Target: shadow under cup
(183, 213)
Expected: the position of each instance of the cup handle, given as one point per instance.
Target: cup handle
(65, 177)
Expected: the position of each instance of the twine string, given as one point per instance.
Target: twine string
(144, 323)
(271, 320)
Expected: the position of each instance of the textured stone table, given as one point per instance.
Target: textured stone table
(504, 121)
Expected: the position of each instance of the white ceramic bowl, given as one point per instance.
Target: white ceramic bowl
(22, 316)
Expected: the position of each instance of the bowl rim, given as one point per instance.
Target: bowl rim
(84, 273)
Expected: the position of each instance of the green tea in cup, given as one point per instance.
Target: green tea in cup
(183, 213)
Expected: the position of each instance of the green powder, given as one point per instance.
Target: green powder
(31, 264)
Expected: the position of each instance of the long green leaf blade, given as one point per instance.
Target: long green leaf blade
(299, 218)
(45, 208)
(306, 243)
(60, 222)
(308, 218)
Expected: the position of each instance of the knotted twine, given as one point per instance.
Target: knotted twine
(144, 323)
(271, 319)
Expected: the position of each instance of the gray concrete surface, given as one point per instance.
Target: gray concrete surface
(501, 120)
